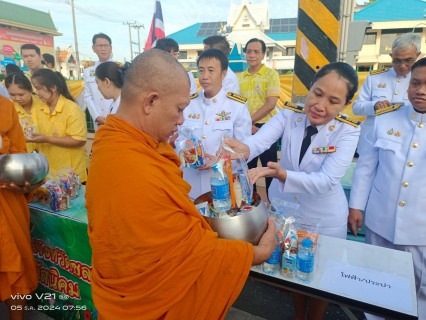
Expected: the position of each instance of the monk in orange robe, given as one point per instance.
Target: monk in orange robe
(154, 256)
(17, 266)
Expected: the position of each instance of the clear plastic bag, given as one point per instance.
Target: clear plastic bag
(191, 148)
(237, 170)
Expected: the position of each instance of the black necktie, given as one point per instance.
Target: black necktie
(310, 131)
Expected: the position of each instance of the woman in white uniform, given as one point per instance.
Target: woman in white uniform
(110, 79)
(318, 145)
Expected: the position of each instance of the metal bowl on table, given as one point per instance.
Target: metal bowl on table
(21, 167)
(248, 227)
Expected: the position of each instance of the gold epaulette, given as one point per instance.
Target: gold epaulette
(344, 118)
(374, 72)
(294, 107)
(193, 96)
(119, 63)
(87, 64)
(236, 97)
(388, 109)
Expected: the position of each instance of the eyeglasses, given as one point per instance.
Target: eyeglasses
(403, 61)
(102, 46)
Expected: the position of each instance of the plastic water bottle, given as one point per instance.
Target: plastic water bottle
(305, 261)
(272, 265)
(220, 188)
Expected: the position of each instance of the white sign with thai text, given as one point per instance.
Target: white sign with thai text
(378, 288)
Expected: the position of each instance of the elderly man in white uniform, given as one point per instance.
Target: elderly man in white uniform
(384, 88)
(214, 112)
(389, 182)
(98, 106)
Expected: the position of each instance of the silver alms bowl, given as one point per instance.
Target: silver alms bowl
(21, 167)
(248, 227)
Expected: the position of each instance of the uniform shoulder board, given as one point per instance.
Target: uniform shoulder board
(87, 64)
(119, 63)
(294, 107)
(236, 97)
(344, 118)
(388, 109)
(374, 72)
(193, 96)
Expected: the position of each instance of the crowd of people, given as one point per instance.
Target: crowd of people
(153, 255)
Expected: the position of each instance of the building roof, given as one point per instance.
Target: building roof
(189, 35)
(26, 18)
(392, 10)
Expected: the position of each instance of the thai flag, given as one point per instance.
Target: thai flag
(157, 27)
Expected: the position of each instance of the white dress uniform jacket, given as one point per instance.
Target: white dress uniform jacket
(378, 87)
(389, 178)
(114, 106)
(230, 83)
(98, 106)
(315, 183)
(206, 114)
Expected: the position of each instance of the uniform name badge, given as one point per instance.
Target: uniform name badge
(320, 150)
(92, 72)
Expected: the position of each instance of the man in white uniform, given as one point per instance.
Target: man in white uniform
(389, 182)
(171, 46)
(98, 106)
(214, 112)
(230, 83)
(384, 88)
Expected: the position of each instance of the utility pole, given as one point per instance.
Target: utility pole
(139, 39)
(130, 37)
(75, 41)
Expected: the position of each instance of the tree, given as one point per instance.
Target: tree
(369, 2)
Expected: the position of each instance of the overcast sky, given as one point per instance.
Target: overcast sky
(177, 15)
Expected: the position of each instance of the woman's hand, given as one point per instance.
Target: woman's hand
(27, 188)
(238, 147)
(39, 138)
(273, 170)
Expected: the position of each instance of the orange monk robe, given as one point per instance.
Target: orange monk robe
(17, 266)
(154, 256)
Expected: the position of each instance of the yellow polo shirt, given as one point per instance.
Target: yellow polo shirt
(257, 87)
(23, 117)
(66, 120)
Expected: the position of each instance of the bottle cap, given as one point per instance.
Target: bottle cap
(307, 243)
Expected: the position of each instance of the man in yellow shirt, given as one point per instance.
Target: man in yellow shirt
(261, 86)
(32, 57)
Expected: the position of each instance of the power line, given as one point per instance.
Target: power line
(85, 11)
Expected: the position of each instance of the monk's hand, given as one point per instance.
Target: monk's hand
(266, 245)
(273, 170)
(238, 147)
(382, 104)
(209, 159)
(27, 188)
(354, 220)
(38, 138)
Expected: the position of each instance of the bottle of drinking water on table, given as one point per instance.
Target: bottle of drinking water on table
(305, 261)
(220, 188)
(272, 265)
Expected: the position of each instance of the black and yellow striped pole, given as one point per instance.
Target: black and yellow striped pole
(318, 35)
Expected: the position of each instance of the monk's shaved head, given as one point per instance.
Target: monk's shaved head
(152, 70)
(154, 94)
